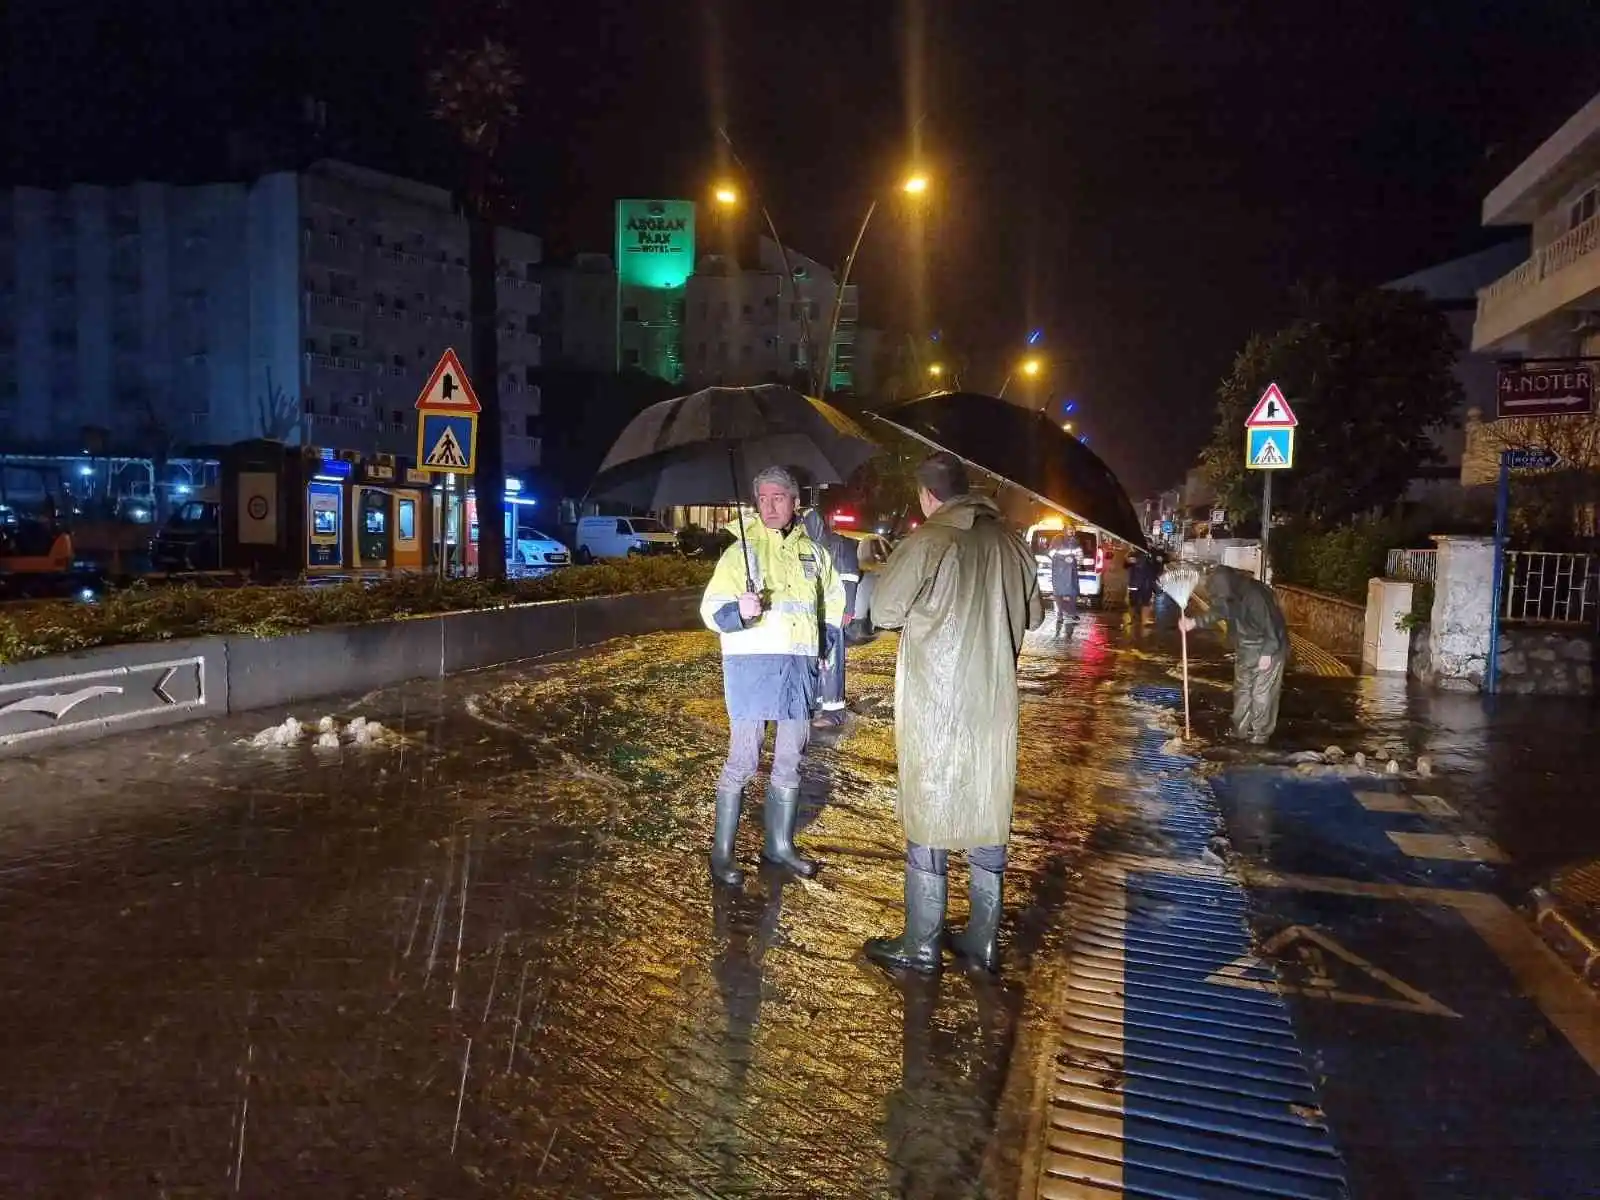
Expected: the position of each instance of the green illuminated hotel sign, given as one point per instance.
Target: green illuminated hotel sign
(655, 242)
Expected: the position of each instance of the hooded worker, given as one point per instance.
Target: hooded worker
(842, 551)
(1260, 647)
(779, 605)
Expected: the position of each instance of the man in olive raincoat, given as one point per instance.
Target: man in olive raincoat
(1260, 647)
(780, 610)
(963, 590)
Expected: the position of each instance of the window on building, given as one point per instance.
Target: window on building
(630, 312)
(530, 324)
(530, 426)
(1583, 208)
(530, 374)
(311, 345)
(308, 405)
(749, 310)
(631, 357)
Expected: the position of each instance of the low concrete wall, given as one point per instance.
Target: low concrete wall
(1336, 625)
(79, 697)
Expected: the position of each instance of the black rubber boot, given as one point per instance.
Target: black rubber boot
(979, 942)
(920, 947)
(723, 870)
(783, 808)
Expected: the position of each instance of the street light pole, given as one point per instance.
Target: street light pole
(820, 380)
(783, 251)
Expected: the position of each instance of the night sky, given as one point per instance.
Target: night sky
(1143, 181)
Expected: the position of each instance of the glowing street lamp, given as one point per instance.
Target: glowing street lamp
(726, 195)
(936, 369)
(1028, 368)
(915, 185)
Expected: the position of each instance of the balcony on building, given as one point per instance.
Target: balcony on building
(1536, 307)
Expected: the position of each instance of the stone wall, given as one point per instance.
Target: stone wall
(1546, 662)
(1336, 625)
(1534, 661)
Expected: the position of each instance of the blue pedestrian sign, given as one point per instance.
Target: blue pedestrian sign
(1532, 458)
(1270, 448)
(447, 443)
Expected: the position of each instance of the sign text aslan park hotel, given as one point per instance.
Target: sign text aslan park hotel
(655, 242)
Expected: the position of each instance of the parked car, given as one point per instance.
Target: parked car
(1091, 562)
(872, 549)
(621, 537)
(191, 540)
(536, 549)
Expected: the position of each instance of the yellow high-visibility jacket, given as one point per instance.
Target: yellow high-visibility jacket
(770, 664)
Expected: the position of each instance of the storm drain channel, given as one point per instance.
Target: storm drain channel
(1175, 1071)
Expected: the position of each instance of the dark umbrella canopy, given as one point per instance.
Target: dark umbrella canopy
(677, 451)
(1024, 448)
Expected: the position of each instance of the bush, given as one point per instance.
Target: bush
(1337, 562)
(153, 614)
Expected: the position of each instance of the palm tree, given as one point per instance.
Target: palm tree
(475, 94)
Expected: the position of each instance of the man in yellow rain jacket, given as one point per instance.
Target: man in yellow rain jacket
(779, 611)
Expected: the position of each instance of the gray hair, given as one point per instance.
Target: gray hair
(778, 476)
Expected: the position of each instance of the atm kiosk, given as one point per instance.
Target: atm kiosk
(386, 515)
(327, 537)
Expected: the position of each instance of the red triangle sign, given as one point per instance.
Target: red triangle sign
(1272, 411)
(448, 389)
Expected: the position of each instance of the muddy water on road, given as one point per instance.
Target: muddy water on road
(487, 960)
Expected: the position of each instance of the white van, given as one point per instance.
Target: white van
(621, 537)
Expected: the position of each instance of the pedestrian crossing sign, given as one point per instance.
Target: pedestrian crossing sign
(1269, 449)
(447, 443)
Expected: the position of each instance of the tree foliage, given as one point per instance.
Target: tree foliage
(1370, 377)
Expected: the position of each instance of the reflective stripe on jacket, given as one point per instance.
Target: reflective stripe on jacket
(769, 665)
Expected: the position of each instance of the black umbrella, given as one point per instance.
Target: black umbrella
(1024, 448)
(701, 448)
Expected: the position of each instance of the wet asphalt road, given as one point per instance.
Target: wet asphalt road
(269, 971)
(485, 959)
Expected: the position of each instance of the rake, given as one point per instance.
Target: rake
(1180, 583)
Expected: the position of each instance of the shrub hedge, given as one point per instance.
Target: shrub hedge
(152, 614)
(1337, 562)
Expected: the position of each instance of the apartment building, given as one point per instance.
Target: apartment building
(306, 306)
(1541, 319)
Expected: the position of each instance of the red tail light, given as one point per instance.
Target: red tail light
(844, 518)
(1099, 560)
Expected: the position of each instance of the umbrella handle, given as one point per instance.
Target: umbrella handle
(738, 508)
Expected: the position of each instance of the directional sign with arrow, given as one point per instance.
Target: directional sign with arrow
(1532, 458)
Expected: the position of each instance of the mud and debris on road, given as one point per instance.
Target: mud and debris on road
(478, 953)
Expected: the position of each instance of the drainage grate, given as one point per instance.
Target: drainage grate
(1167, 1081)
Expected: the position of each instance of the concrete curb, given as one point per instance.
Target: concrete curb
(73, 698)
(1561, 931)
